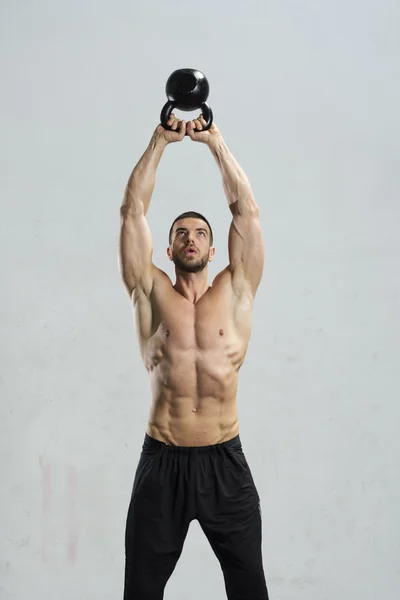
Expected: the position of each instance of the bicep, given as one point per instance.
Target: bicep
(135, 252)
(246, 250)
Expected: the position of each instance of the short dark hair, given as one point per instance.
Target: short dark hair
(191, 214)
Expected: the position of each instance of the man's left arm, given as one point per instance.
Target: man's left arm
(245, 242)
(246, 247)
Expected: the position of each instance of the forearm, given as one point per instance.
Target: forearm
(236, 184)
(140, 186)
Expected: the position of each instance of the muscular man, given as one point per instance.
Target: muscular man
(193, 338)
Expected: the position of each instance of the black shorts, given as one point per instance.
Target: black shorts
(175, 485)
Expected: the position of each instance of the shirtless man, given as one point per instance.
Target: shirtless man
(193, 339)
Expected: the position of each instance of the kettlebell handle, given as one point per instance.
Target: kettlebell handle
(169, 107)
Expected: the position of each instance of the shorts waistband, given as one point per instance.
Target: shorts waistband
(151, 443)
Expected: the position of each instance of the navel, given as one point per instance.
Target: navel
(221, 332)
(167, 333)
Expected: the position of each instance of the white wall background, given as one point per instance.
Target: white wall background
(307, 96)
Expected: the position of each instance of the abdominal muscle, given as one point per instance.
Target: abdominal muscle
(193, 399)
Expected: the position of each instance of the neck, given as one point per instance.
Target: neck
(192, 286)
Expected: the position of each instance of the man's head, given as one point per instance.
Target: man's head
(190, 242)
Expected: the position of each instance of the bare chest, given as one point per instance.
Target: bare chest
(204, 326)
(195, 344)
(214, 331)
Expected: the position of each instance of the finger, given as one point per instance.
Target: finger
(190, 129)
(198, 124)
(182, 129)
(202, 120)
(171, 119)
(175, 124)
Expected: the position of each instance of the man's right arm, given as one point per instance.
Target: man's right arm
(136, 249)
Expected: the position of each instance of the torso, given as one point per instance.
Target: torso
(193, 353)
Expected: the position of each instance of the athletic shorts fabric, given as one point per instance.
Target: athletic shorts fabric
(175, 485)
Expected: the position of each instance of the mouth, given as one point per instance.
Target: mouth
(190, 251)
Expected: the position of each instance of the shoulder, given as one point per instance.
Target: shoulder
(233, 276)
(232, 280)
(154, 281)
(161, 281)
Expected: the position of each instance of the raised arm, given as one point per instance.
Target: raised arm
(246, 247)
(135, 248)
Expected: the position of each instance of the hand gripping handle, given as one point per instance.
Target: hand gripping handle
(169, 107)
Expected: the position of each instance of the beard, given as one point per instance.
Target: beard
(190, 265)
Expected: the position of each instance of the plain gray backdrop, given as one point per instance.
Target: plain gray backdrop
(306, 95)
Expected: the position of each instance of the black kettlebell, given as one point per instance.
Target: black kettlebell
(187, 89)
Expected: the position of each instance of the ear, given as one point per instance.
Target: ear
(169, 253)
(211, 254)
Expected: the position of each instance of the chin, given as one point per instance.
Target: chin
(190, 266)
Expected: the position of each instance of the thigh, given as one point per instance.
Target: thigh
(231, 520)
(155, 528)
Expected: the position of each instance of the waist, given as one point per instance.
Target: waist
(152, 444)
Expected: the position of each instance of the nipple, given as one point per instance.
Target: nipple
(167, 333)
